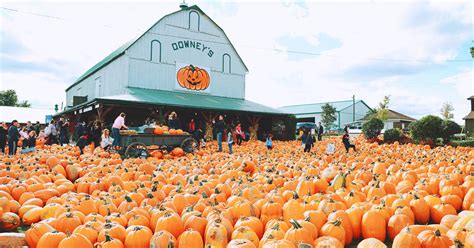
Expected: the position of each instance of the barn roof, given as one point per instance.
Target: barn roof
(315, 108)
(181, 99)
(121, 50)
(22, 115)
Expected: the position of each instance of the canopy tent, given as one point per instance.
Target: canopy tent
(22, 115)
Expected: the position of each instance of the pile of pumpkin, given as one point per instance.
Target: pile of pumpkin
(160, 130)
(405, 195)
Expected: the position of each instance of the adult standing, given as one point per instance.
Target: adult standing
(220, 126)
(119, 123)
(191, 126)
(13, 136)
(320, 131)
(3, 137)
(96, 133)
(37, 127)
(309, 141)
(63, 131)
(51, 133)
(80, 128)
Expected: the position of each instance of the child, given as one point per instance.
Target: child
(84, 141)
(197, 135)
(230, 139)
(106, 141)
(347, 143)
(29, 144)
(269, 142)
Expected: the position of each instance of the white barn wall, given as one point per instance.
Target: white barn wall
(113, 80)
(161, 75)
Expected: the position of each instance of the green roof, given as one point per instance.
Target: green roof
(121, 50)
(314, 108)
(188, 100)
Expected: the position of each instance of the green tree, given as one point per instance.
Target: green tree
(372, 128)
(447, 111)
(328, 116)
(382, 110)
(450, 128)
(10, 98)
(429, 127)
(392, 135)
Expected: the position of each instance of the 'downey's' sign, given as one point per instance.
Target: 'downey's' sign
(193, 45)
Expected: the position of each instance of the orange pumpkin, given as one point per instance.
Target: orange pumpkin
(193, 78)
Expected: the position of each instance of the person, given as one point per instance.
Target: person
(197, 135)
(303, 134)
(51, 133)
(84, 141)
(346, 129)
(3, 137)
(347, 143)
(309, 141)
(97, 133)
(37, 127)
(13, 136)
(269, 142)
(230, 139)
(119, 123)
(320, 131)
(80, 127)
(173, 121)
(219, 125)
(29, 126)
(63, 131)
(239, 134)
(23, 133)
(191, 126)
(29, 144)
(106, 140)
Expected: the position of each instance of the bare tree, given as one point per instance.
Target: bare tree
(447, 111)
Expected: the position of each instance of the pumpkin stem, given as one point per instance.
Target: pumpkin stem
(128, 199)
(295, 224)
(458, 243)
(192, 67)
(437, 233)
(108, 238)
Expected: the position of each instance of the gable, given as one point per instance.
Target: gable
(127, 46)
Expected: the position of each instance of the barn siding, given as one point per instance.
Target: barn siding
(113, 77)
(361, 111)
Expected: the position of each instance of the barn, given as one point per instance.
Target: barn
(183, 63)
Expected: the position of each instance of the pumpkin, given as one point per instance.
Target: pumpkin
(406, 239)
(334, 229)
(373, 225)
(190, 238)
(371, 243)
(327, 241)
(35, 232)
(193, 78)
(430, 238)
(75, 240)
(9, 221)
(138, 236)
(50, 239)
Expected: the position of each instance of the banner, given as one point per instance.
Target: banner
(193, 78)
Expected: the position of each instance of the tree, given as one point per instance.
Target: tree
(392, 135)
(447, 111)
(328, 116)
(372, 128)
(10, 98)
(429, 127)
(380, 112)
(450, 128)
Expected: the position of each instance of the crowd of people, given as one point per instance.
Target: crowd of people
(95, 133)
(308, 139)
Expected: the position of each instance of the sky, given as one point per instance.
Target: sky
(297, 52)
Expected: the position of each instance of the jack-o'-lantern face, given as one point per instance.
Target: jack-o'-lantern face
(193, 78)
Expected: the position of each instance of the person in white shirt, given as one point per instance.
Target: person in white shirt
(119, 123)
(106, 140)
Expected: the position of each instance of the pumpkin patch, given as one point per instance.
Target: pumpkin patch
(404, 195)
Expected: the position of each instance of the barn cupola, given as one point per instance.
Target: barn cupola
(183, 5)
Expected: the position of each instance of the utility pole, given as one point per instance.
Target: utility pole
(353, 108)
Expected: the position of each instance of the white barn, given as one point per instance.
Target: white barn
(184, 62)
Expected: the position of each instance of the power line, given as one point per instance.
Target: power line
(261, 48)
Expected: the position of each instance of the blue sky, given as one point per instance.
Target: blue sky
(366, 48)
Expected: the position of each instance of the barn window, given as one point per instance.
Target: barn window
(226, 63)
(194, 20)
(155, 53)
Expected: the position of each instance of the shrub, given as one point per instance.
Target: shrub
(450, 128)
(372, 128)
(427, 128)
(392, 135)
(468, 143)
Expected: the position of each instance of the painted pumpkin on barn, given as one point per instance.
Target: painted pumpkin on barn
(193, 78)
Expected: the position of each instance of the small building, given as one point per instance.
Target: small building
(397, 120)
(346, 112)
(183, 63)
(23, 115)
(469, 119)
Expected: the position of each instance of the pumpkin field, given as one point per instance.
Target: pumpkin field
(382, 195)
